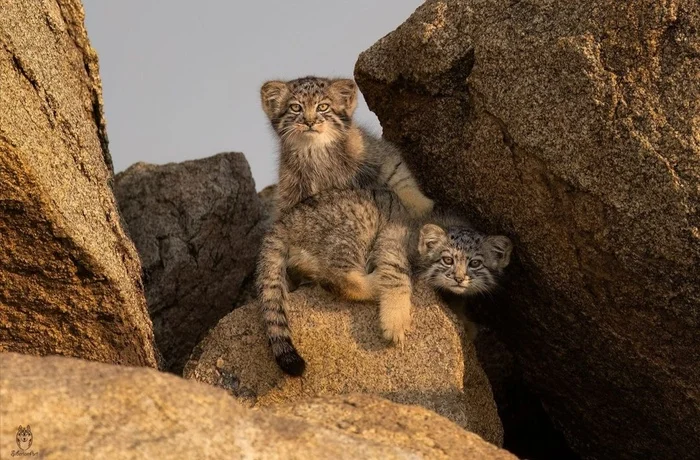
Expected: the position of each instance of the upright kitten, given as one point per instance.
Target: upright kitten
(336, 238)
(321, 148)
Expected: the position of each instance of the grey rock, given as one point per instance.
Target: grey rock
(197, 226)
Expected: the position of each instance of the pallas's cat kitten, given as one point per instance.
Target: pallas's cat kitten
(363, 245)
(353, 242)
(321, 148)
(454, 257)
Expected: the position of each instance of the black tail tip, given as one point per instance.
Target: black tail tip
(291, 363)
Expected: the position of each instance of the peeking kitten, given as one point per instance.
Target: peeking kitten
(460, 260)
(321, 148)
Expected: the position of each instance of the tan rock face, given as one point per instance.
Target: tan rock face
(79, 409)
(69, 276)
(197, 226)
(345, 353)
(573, 127)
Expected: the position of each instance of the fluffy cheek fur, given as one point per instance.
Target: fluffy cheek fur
(440, 277)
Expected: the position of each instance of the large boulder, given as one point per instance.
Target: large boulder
(78, 409)
(345, 353)
(197, 226)
(573, 128)
(70, 279)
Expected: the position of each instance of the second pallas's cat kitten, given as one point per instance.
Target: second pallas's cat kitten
(459, 261)
(321, 148)
(454, 257)
(362, 245)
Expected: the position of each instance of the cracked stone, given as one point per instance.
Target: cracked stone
(197, 226)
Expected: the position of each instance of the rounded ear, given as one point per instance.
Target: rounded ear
(430, 236)
(500, 248)
(272, 94)
(345, 90)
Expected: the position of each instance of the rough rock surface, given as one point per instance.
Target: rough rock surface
(268, 198)
(572, 127)
(70, 279)
(79, 409)
(197, 226)
(345, 353)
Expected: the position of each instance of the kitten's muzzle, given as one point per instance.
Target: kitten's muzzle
(306, 128)
(461, 284)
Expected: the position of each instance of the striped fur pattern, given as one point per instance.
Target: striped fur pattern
(321, 148)
(353, 242)
(454, 257)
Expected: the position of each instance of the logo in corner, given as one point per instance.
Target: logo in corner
(24, 438)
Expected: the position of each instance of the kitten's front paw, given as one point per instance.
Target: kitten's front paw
(395, 320)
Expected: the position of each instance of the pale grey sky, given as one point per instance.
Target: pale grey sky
(181, 78)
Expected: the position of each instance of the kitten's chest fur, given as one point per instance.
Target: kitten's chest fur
(310, 169)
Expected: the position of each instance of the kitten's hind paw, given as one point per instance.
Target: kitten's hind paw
(291, 363)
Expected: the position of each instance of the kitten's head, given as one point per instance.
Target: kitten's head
(461, 260)
(310, 110)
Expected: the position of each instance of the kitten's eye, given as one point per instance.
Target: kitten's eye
(475, 263)
(448, 260)
(295, 108)
(322, 107)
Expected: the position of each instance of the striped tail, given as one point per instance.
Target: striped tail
(272, 292)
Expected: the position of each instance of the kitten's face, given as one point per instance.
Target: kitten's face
(461, 260)
(310, 111)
